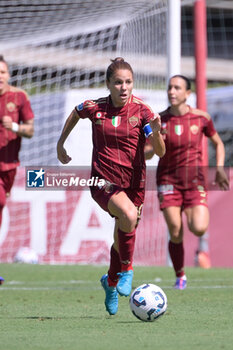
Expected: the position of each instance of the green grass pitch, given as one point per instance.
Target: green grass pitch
(62, 308)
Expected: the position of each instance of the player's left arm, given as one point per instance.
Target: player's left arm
(148, 151)
(220, 177)
(156, 139)
(25, 129)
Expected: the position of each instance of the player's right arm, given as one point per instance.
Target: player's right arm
(68, 127)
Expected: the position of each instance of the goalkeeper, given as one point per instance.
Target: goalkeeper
(16, 121)
(120, 124)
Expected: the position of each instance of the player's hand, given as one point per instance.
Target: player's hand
(7, 122)
(221, 179)
(62, 155)
(155, 123)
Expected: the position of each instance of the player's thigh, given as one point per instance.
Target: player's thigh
(120, 206)
(197, 219)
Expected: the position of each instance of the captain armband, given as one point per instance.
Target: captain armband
(147, 130)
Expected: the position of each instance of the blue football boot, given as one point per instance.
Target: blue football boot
(111, 300)
(124, 284)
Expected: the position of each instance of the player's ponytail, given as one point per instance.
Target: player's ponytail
(3, 60)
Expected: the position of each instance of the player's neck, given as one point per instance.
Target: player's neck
(4, 89)
(179, 110)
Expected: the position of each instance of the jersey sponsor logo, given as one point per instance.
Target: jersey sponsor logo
(194, 129)
(179, 129)
(11, 106)
(133, 121)
(116, 121)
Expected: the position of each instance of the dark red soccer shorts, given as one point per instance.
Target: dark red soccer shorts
(102, 195)
(169, 197)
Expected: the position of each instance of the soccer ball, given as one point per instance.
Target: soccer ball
(148, 302)
(26, 255)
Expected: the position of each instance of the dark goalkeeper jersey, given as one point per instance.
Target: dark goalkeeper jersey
(118, 140)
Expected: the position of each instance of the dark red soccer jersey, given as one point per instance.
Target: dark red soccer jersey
(182, 163)
(13, 103)
(118, 140)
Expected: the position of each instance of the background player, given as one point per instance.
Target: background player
(120, 123)
(180, 174)
(16, 121)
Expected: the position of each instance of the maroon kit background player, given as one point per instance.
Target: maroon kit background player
(180, 175)
(120, 122)
(16, 121)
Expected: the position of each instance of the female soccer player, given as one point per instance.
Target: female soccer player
(180, 174)
(120, 124)
(16, 121)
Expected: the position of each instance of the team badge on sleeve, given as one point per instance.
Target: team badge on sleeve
(98, 115)
(80, 107)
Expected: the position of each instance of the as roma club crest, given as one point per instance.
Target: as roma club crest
(11, 106)
(133, 121)
(194, 129)
(116, 121)
(179, 129)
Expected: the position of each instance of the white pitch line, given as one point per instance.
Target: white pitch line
(98, 288)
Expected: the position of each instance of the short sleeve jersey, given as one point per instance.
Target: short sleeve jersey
(182, 163)
(13, 103)
(118, 140)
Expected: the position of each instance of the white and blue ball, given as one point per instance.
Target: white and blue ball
(148, 302)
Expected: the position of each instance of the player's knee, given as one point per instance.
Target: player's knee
(129, 219)
(198, 229)
(175, 233)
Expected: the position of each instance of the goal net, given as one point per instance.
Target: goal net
(58, 51)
